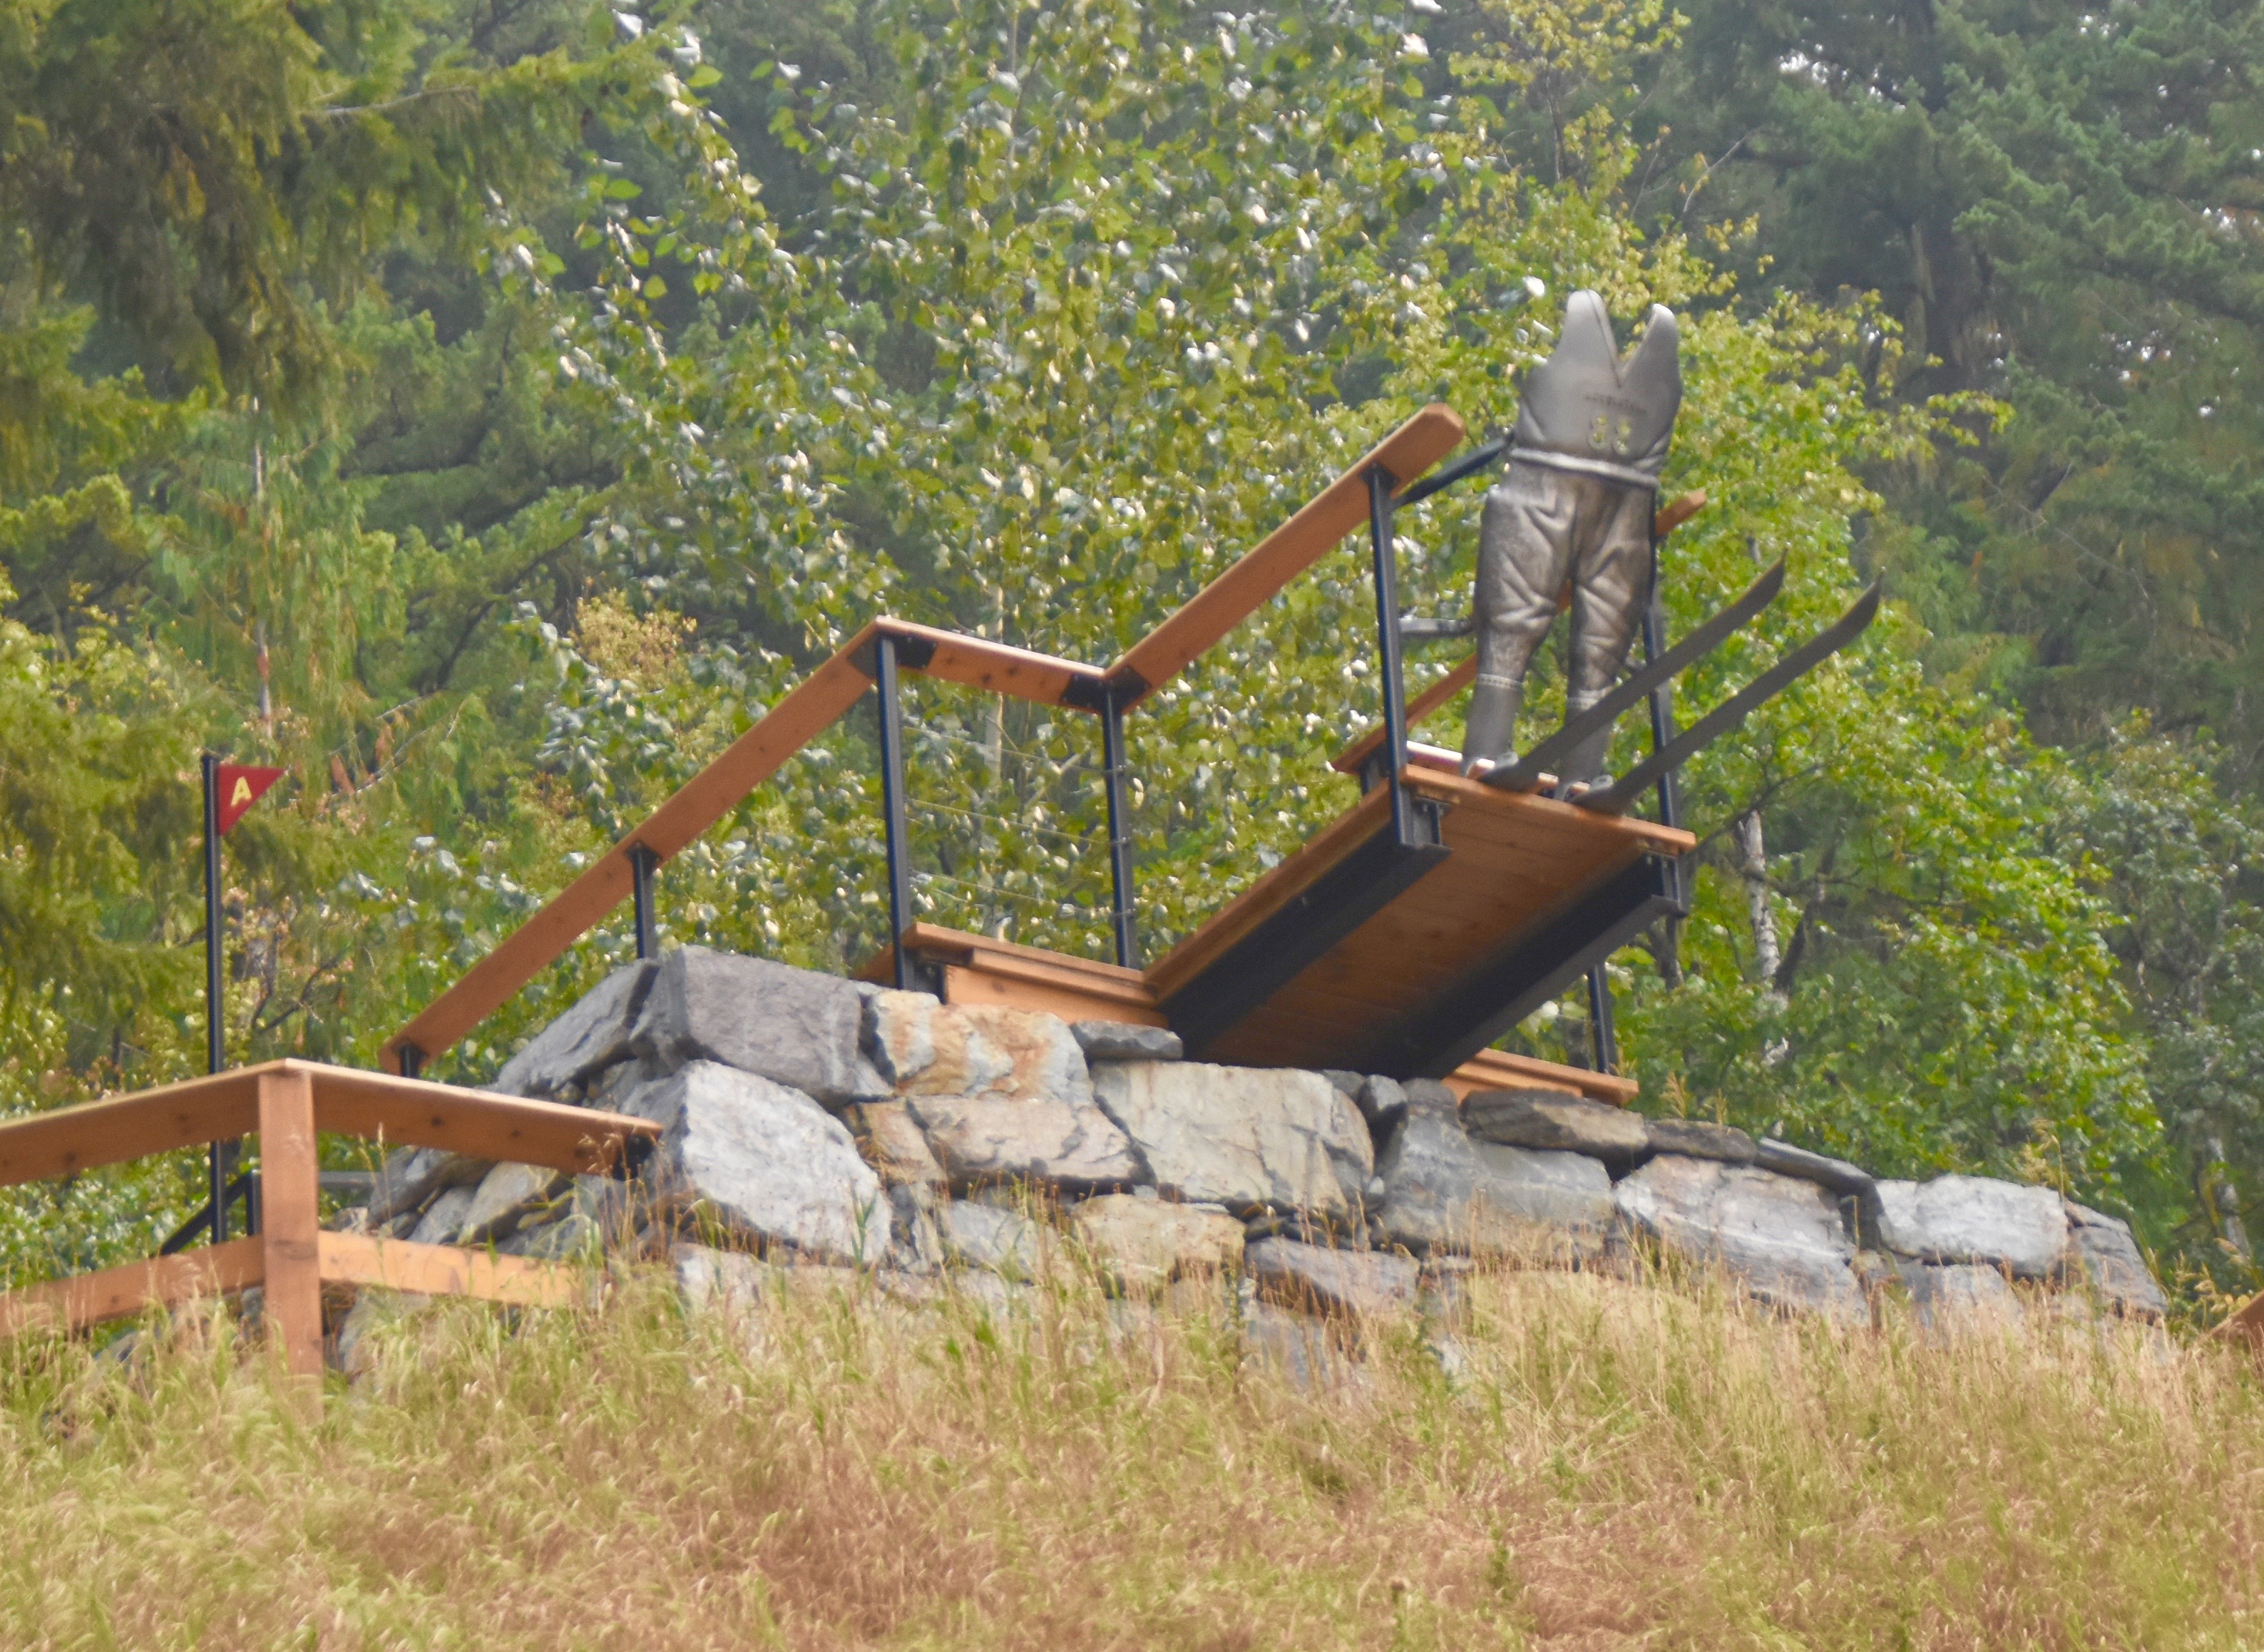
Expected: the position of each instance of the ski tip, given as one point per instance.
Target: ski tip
(1868, 604)
(1769, 584)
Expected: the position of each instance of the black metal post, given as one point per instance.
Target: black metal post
(1602, 1040)
(222, 1154)
(1662, 731)
(892, 803)
(1380, 484)
(642, 864)
(412, 1061)
(1119, 830)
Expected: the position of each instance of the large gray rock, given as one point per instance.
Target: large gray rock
(1444, 1193)
(444, 1218)
(986, 1138)
(505, 1197)
(1145, 1244)
(1835, 1176)
(1945, 1295)
(1365, 1283)
(593, 1033)
(926, 1047)
(1858, 1194)
(1126, 1041)
(1702, 1139)
(411, 1177)
(986, 1237)
(792, 1026)
(2108, 1257)
(766, 1161)
(1553, 1120)
(1976, 1219)
(1781, 1239)
(893, 1144)
(1247, 1138)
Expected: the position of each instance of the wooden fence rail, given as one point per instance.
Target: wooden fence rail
(287, 1104)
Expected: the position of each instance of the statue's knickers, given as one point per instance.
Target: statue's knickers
(1542, 528)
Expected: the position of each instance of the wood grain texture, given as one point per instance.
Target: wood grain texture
(1286, 553)
(120, 1293)
(1500, 1069)
(290, 1217)
(411, 1111)
(46, 1145)
(995, 666)
(1197, 951)
(1069, 999)
(397, 1265)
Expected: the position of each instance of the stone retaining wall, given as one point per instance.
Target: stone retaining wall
(821, 1122)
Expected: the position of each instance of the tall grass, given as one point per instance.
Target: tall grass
(1614, 1466)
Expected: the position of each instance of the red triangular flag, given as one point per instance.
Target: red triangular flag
(241, 786)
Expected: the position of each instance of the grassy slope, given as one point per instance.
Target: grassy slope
(1624, 1466)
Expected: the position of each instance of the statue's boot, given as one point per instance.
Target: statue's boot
(1583, 765)
(1492, 720)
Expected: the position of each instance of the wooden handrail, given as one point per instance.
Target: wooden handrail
(287, 1102)
(821, 698)
(1283, 554)
(346, 1100)
(808, 709)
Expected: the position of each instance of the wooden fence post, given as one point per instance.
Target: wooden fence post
(289, 1221)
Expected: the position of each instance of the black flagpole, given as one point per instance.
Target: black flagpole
(214, 1054)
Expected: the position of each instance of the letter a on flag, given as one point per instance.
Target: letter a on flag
(241, 786)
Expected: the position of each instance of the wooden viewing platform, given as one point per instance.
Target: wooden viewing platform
(1409, 934)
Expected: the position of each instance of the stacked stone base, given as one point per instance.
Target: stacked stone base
(809, 1121)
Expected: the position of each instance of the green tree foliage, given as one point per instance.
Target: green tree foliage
(2059, 204)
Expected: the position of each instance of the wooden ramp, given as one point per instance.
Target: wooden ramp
(1369, 949)
(1408, 954)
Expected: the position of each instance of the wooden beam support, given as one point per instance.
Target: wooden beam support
(290, 1219)
(995, 668)
(1286, 553)
(396, 1264)
(120, 1293)
(412, 1112)
(46, 1145)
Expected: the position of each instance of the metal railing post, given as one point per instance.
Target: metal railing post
(1380, 484)
(892, 803)
(1603, 1039)
(642, 864)
(1119, 830)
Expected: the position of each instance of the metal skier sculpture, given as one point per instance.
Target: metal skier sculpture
(1574, 504)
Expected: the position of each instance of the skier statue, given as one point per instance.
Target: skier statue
(1575, 503)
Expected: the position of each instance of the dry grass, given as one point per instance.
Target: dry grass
(1619, 1466)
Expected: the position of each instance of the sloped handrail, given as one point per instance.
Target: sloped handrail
(825, 696)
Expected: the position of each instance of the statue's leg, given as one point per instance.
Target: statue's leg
(1611, 588)
(1525, 549)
